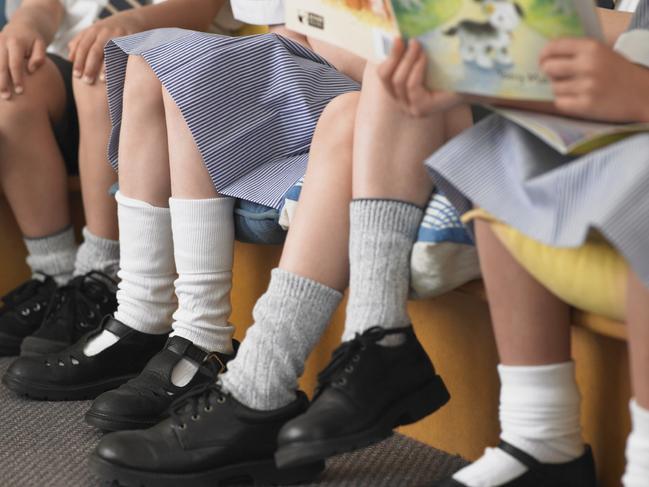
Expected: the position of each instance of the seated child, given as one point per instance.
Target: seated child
(556, 200)
(38, 91)
(380, 376)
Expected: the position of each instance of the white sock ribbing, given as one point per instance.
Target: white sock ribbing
(53, 255)
(203, 235)
(539, 413)
(637, 449)
(145, 298)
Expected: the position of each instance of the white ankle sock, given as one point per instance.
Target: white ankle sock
(53, 255)
(145, 296)
(183, 372)
(539, 413)
(203, 235)
(637, 449)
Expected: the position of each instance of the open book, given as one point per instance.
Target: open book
(570, 136)
(482, 47)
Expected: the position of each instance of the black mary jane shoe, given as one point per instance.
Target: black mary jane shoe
(210, 439)
(22, 312)
(366, 391)
(579, 472)
(72, 375)
(75, 309)
(144, 401)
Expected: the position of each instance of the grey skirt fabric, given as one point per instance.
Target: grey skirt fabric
(554, 199)
(251, 103)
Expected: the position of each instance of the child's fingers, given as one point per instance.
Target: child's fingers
(416, 83)
(567, 47)
(401, 74)
(566, 88)
(559, 68)
(386, 68)
(81, 52)
(37, 58)
(16, 54)
(94, 61)
(5, 77)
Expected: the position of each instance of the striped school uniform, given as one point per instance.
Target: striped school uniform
(556, 199)
(251, 103)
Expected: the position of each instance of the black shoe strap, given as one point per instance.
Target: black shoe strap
(529, 461)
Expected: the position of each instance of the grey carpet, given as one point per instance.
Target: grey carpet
(44, 444)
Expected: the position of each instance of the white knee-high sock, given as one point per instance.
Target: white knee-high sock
(203, 235)
(539, 413)
(147, 272)
(145, 296)
(637, 449)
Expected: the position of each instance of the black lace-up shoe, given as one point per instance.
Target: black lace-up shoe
(210, 439)
(576, 473)
(76, 308)
(72, 375)
(366, 391)
(22, 312)
(144, 401)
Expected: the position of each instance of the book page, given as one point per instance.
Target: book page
(491, 47)
(360, 26)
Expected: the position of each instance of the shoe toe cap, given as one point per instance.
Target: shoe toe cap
(27, 368)
(127, 448)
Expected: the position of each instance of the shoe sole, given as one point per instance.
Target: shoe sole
(105, 422)
(47, 392)
(408, 410)
(33, 346)
(260, 473)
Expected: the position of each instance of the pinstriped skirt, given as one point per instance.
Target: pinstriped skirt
(251, 103)
(554, 199)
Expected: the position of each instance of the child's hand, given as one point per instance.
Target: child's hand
(404, 75)
(590, 80)
(87, 47)
(22, 50)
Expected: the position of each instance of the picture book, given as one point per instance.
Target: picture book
(482, 47)
(570, 136)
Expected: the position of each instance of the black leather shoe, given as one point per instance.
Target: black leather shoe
(210, 439)
(71, 375)
(144, 401)
(576, 473)
(76, 308)
(22, 312)
(366, 391)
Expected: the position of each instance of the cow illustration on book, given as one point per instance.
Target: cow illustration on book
(487, 43)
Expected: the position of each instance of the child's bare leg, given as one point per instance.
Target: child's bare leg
(203, 236)
(539, 400)
(100, 248)
(637, 470)
(33, 175)
(146, 295)
(307, 288)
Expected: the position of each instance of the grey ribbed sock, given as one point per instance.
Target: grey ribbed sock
(382, 233)
(97, 254)
(289, 320)
(53, 255)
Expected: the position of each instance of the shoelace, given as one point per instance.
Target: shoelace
(22, 293)
(79, 300)
(204, 396)
(350, 352)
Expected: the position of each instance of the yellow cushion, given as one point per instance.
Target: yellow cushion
(591, 277)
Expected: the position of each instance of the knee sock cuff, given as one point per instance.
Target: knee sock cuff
(288, 284)
(392, 215)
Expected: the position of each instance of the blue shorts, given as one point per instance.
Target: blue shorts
(253, 223)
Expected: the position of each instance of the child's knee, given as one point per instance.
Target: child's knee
(91, 100)
(44, 97)
(339, 117)
(141, 84)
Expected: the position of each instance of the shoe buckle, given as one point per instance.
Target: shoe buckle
(214, 357)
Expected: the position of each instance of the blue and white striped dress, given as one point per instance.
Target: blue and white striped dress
(251, 103)
(554, 199)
